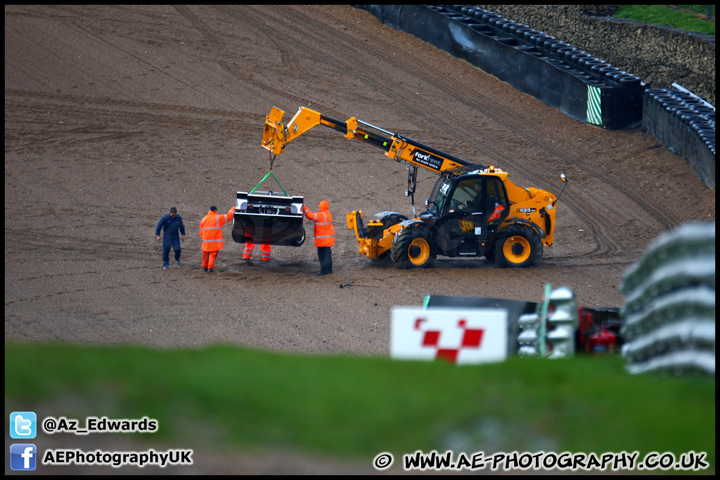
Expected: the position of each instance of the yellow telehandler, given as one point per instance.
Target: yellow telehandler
(474, 210)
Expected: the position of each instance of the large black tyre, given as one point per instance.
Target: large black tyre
(391, 218)
(517, 246)
(414, 248)
(299, 241)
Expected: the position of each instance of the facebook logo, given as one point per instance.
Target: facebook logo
(23, 456)
(23, 425)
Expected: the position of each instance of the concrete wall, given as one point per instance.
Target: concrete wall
(658, 55)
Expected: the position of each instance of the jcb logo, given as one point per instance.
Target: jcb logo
(466, 226)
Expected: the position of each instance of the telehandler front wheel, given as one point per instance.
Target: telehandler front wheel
(518, 246)
(414, 248)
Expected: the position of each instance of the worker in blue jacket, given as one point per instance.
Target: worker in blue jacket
(171, 223)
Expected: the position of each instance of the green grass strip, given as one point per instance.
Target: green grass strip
(670, 17)
(355, 407)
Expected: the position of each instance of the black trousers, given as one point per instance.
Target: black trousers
(325, 257)
(166, 251)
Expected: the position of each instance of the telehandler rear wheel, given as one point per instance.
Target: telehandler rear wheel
(518, 246)
(414, 248)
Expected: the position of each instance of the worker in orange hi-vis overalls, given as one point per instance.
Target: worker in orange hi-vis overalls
(264, 249)
(212, 235)
(324, 235)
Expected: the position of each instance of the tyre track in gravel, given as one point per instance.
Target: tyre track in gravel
(140, 60)
(102, 119)
(298, 30)
(286, 57)
(106, 119)
(102, 107)
(344, 48)
(93, 30)
(269, 34)
(139, 111)
(23, 240)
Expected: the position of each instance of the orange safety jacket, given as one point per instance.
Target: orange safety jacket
(211, 230)
(324, 230)
(496, 214)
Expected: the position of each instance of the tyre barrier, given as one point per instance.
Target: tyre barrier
(669, 311)
(583, 87)
(530, 60)
(685, 124)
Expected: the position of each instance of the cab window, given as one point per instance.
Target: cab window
(463, 195)
(439, 195)
(496, 192)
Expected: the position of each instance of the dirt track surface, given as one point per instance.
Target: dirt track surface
(114, 114)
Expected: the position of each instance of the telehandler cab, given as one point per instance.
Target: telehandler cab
(474, 210)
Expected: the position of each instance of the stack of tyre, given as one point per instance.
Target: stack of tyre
(669, 312)
(692, 111)
(685, 124)
(590, 69)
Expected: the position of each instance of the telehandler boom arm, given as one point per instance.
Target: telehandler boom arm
(277, 134)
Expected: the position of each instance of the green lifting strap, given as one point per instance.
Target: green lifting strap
(270, 173)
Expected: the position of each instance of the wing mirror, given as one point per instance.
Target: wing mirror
(565, 181)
